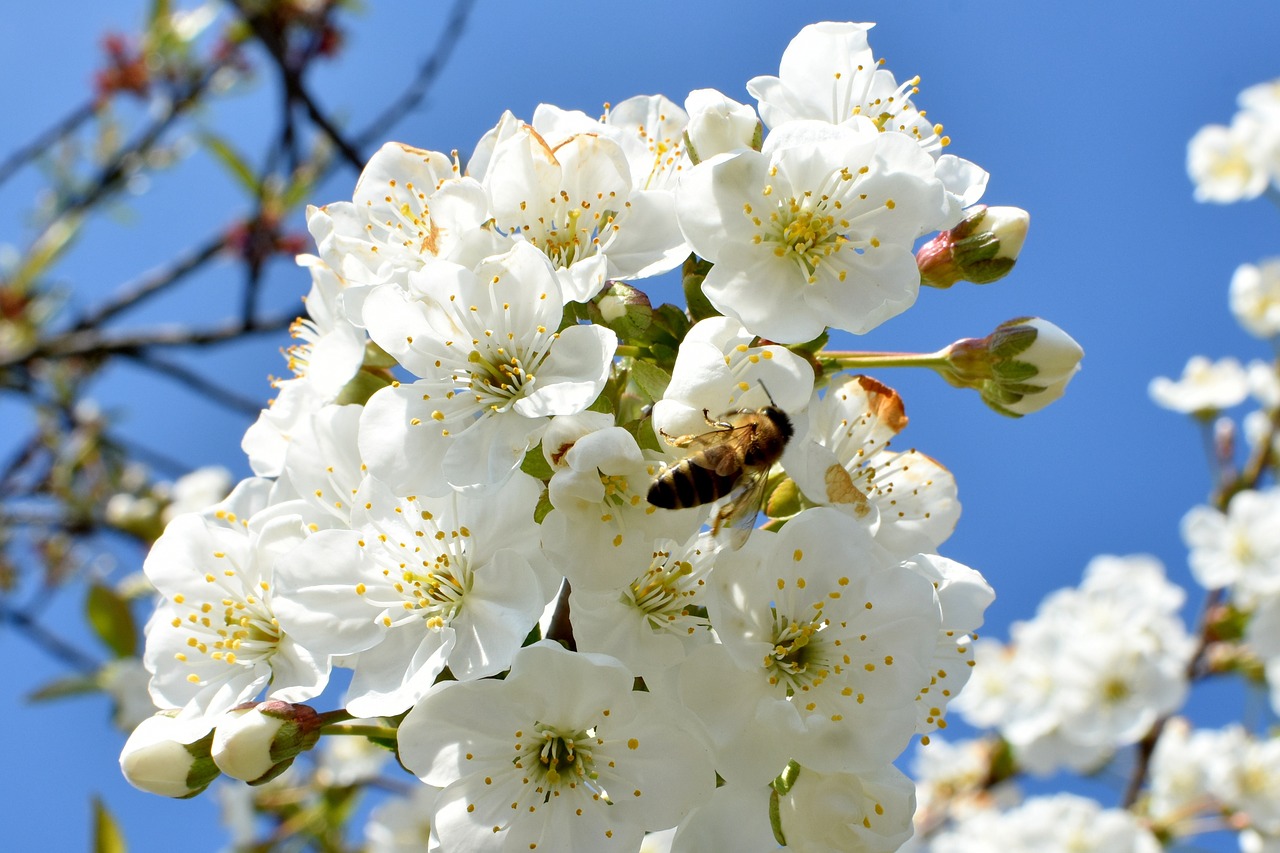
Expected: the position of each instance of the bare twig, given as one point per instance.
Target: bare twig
(273, 39)
(193, 381)
(94, 343)
(153, 283)
(42, 143)
(47, 640)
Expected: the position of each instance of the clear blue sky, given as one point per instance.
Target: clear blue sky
(1080, 112)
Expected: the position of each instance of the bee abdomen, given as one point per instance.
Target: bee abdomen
(684, 485)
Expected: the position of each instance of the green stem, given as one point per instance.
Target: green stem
(631, 350)
(380, 732)
(848, 360)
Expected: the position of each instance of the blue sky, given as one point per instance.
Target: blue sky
(1080, 115)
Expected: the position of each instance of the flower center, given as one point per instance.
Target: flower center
(555, 758)
(574, 235)
(799, 659)
(664, 595)
(497, 378)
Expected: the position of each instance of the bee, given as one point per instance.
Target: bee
(732, 459)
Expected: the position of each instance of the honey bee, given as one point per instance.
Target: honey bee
(732, 459)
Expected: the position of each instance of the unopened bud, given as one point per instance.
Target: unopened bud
(1021, 367)
(167, 757)
(719, 124)
(257, 742)
(622, 308)
(981, 249)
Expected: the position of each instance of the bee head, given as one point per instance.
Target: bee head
(780, 420)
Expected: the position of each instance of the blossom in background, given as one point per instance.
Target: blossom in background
(1229, 164)
(1205, 386)
(1063, 823)
(1255, 298)
(1240, 548)
(1095, 668)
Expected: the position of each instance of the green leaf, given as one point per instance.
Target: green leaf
(535, 464)
(231, 160)
(694, 271)
(63, 688)
(650, 378)
(107, 837)
(112, 620)
(602, 404)
(544, 506)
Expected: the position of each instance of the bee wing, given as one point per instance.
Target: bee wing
(739, 510)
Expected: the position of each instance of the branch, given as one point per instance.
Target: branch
(426, 77)
(48, 641)
(46, 140)
(115, 171)
(273, 39)
(193, 381)
(92, 343)
(156, 282)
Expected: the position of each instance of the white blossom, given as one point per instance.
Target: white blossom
(594, 765)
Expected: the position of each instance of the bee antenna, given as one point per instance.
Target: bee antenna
(767, 394)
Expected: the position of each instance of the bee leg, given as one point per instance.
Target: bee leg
(706, 416)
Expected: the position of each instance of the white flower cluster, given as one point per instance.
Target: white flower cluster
(1061, 823)
(1238, 551)
(1240, 161)
(1203, 772)
(1092, 672)
(478, 412)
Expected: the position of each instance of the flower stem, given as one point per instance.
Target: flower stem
(851, 360)
(380, 732)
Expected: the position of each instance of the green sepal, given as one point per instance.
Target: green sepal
(642, 431)
(1014, 371)
(376, 356)
(785, 500)
(692, 274)
(203, 770)
(602, 404)
(775, 818)
(362, 386)
(637, 312)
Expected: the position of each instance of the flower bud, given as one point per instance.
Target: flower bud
(257, 742)
(718, 124)
(981, 249)
(1021, 367)
(167, 757)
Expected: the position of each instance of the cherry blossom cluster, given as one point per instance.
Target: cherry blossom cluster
(451, 501)
(1102, 678)
(1240, 161)
(1091, 673)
